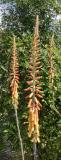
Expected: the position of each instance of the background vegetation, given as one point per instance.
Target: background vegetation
(19, 19)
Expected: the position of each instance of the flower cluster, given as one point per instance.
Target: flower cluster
(14, 75)
(34, 88)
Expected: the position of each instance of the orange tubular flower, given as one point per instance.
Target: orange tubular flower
(34, 87)
(14, 75)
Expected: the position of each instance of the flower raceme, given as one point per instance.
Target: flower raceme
(14, 80)
(51, 71)
(14, 75)
(34, 87)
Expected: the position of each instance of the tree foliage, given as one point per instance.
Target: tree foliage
(20, 21)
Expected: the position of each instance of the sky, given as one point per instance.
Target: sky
(4, 8)
(1, 8)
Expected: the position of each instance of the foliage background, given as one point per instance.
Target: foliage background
(19, 19)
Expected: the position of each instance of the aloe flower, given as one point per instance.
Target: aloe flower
(34, 89)
(14, 81)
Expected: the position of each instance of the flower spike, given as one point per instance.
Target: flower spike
(34, 87)
(14, 75)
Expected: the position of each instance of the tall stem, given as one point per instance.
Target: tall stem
(19, 134)
(35, 151)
